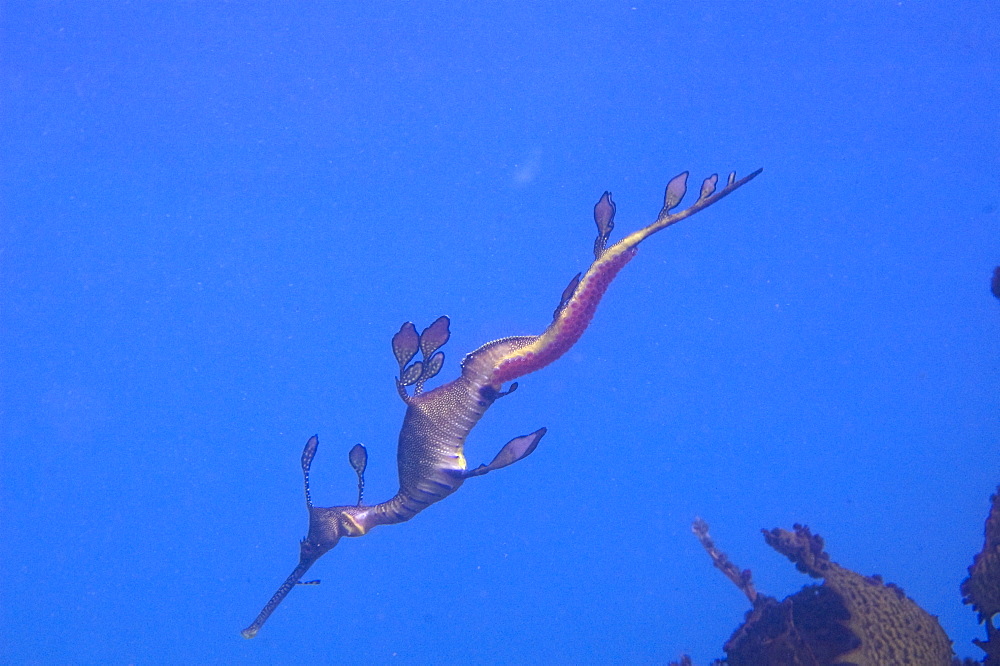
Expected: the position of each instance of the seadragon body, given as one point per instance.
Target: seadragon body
(431, 450)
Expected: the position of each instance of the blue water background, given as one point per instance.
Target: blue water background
(215, 216)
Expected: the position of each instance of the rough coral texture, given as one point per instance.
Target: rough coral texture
(803, 630)
(890, 628)
(982, 587)
(852, 619)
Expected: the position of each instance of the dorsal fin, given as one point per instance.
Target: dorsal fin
(567, 294)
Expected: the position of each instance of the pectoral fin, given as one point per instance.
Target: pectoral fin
(514, 450)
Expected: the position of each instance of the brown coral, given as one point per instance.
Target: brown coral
(803, 630)
(849, 619)
(982, 587)
(891, 627)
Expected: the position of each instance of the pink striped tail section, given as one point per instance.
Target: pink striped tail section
(573, 320)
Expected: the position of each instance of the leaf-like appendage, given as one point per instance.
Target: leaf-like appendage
(732, 177)
(309, 452)
(432, 366)
(405, 344)
(604, 216)
(708, 187)
(411, 374)
(434, 336)
(676, 189)
(359, 458)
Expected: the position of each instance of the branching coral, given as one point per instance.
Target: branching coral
(849, 619)
(852, 619)
(982, 588)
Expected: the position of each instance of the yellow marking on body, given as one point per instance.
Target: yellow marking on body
(361, 530)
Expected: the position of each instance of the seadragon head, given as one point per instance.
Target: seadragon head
(326, 527)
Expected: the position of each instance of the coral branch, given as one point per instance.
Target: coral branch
(742, 579)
